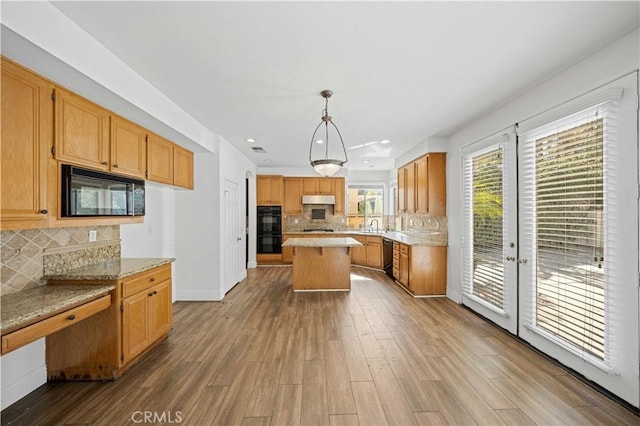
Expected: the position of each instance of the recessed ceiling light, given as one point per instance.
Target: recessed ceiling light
(385, 141)
(250, 140)
(319, 141)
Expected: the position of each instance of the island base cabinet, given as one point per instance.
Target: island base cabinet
(311, 264)
(104, 345)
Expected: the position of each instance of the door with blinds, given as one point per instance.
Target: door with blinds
(569, 285)
(490, 237)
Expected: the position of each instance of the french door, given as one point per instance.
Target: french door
(563, 274)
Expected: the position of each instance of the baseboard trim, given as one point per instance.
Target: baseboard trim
(18, 389)
(198, 296)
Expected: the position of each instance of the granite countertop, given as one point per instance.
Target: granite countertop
(26, 307)
(110, 270)
(321, 242)
(430, 238)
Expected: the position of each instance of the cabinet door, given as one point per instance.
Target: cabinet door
(338, 208)
(374, 252)
(159, 159)
(135, 324)
(287, 252)
(410, 192)
(262, 190)
(437, 192)
(326, 186)
(182, 167)
(293, 196)
(402, 190)
(276, 186)
(81, 131)
(160, 310)
(128, 148)
(309, 186)
(359, 254)
(422, 185)
(24, 152)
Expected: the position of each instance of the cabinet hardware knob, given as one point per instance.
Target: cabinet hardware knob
(150, 294)
(71, 317)
(44, 211)
(104, 163)
(155, 292)
(152, 279)
(115, 166)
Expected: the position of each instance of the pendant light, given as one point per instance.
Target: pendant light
(324, 165)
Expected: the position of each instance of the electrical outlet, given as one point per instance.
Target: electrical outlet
(93, 235)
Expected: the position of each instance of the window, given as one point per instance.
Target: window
(366, 203)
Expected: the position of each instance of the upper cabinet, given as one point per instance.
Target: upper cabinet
(269, 190)
(318, 186)
(182, 167)
(159, 159)
(422, 185)
(25, 149)
(128, 148)
(339, 185)
(293, 195)
(82, 131)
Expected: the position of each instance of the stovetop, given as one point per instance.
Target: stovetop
(317, 230)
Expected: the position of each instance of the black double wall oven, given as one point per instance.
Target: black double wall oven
(269, 230)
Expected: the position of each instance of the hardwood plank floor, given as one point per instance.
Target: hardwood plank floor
(374, 356)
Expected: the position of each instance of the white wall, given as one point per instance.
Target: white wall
(22, 371)
(604, 66)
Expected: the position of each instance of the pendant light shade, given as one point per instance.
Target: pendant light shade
(321, 137)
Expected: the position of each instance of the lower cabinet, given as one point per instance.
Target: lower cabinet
(104, 345)
(370, 254)
(422, 270)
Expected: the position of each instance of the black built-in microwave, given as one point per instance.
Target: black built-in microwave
(87, 193)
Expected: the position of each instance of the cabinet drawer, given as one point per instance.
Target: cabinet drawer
(144, 280)
(404, 249)
(396, 254)
(396, 263)
(52, 324)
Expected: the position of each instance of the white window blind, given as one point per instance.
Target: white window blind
(564, 227)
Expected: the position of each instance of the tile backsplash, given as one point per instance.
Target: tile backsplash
(26, 255)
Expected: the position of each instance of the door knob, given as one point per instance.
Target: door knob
(511, 258)
(522, 260)
(239, 238)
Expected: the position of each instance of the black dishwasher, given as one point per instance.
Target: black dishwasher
(387, 256)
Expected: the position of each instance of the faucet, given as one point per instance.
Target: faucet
(371, 224)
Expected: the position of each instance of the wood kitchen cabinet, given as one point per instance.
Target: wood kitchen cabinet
(269, 190)
(26, 123)
(81, 131)
(292, 195)
(159, 159)
(102, 346)
(183, 167)
(318, 186)
(422, 186)
(370, 254)
(421, 270)
(339, 187)
(128, 148)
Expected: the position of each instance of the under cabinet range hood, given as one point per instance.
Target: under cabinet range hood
(318, 199)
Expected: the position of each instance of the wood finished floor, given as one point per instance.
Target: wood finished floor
(374, 356)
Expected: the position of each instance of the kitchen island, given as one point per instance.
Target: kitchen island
(321, 264)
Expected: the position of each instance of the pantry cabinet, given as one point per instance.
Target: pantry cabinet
(26, 123)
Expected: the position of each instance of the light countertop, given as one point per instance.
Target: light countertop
(430, 238)
(110, 270)
(321, 242)
(29, 306)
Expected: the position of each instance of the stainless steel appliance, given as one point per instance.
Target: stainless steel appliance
(269, 230)
(86, 193)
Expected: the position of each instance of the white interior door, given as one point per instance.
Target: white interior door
(233, 236)
(490, 235)
(578, 206)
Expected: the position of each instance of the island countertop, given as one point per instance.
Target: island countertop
(110, 270)
(428, 239)
(321, 242)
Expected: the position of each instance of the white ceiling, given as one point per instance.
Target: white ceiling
(399, 71)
